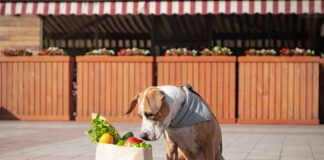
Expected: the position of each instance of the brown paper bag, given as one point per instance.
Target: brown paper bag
(113, 152)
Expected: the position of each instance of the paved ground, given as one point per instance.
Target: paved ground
(66, 141)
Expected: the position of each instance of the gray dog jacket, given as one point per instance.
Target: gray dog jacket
(193, 111)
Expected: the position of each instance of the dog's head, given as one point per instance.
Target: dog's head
(154, 111)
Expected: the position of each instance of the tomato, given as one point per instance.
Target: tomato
(131, 140)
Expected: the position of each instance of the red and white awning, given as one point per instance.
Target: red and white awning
(164, 7)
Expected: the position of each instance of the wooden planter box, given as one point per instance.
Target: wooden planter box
(278, 90)
(213, 77)
(106, 85)
(36, 88)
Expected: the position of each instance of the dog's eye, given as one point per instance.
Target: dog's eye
(148, 115)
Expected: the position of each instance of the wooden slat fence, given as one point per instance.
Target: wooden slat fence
(282, 90)
(212, 77)
(35, 88)
(106, 85)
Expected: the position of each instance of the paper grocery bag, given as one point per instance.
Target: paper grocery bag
(113, 152)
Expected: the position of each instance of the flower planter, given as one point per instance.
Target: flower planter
(36, 88)
(106, 85)
(213, 77)
(278, 90)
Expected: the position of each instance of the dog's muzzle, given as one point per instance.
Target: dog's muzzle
(148, 136)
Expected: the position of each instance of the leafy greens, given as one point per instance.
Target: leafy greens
(99, 127)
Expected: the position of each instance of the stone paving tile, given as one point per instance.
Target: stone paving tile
(296, 158)
(66, 141)
(236, 155)
(319, 156)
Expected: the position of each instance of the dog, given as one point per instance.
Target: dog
(190, 129)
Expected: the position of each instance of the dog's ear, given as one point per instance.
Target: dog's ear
(132, 105)
(155, 100)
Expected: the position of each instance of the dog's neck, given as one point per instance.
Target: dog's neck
(186, 107)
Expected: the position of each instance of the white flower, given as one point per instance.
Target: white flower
(111, 52)
(147, 52)
(216, 48)
(29, 50)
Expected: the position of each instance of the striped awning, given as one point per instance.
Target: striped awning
(159, 7)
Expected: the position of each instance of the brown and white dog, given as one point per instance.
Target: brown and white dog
(158, 106)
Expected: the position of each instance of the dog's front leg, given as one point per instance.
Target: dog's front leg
(171, 148)
(172, 151)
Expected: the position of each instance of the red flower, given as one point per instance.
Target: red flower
(62, 52)
(284, 51)
(120, 52)
(247, 52)
(174, 53)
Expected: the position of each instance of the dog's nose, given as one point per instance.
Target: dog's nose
(144, 135)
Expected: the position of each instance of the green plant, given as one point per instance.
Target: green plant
(216, 51)
(102, 51)
(99, 127)
(180, 52)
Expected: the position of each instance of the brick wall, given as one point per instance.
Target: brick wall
(20, 32)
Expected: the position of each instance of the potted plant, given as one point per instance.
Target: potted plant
(16, 52)
(296, 52)
(133, 52)
(101, 52)
(180, 52)
(52, 51)
(262, 52)
(216, 51)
